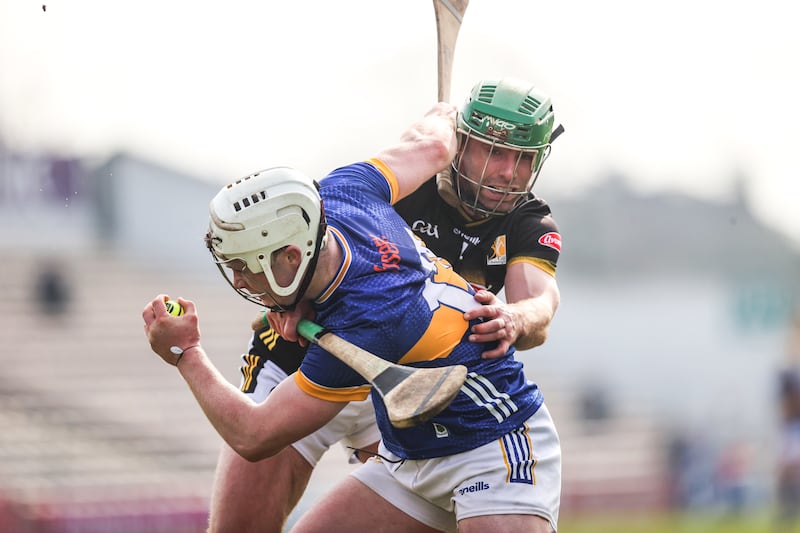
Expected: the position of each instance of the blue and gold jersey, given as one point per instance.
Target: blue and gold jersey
(394, 298)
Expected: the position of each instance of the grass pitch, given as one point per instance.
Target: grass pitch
(675, 523)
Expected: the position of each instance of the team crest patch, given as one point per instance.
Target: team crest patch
(498, 256)
(441, 431)
(552, 239)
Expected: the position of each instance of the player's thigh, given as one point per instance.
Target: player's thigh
(505, 523)
(256, 496)
(351, 506)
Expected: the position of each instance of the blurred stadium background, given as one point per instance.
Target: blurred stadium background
(661, 370)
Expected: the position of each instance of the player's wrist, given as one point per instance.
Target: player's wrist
(179, 352)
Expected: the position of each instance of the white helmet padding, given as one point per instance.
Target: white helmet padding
(253, 217)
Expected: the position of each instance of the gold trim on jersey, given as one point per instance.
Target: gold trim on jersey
(347, 258)
(541, 264)
(447, 325)
(252, 363)
(270, 338)
(351, 394)
(445, 331)
(391, 179)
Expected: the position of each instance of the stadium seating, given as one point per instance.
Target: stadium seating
(99, 435)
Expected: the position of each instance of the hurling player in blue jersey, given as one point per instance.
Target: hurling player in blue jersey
(343, 256)
(495, 241)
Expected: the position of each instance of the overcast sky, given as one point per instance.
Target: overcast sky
(680, 96)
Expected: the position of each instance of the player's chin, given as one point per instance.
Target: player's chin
(497, 203)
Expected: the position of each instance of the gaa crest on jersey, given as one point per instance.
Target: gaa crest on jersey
(552, 240)
(426, 228)
(498, 256)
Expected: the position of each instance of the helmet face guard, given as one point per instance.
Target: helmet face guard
(469, 187)
(260, 214)
(504, 115)
(239, 266)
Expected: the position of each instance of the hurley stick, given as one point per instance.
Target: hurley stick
(449, 14)
(411, 395)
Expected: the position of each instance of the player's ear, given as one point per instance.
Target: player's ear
(294, 255)
(290, 255)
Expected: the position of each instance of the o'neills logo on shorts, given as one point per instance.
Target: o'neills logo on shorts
(475, 487)
(552, 239)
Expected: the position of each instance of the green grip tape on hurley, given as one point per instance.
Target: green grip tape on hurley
(310, 330)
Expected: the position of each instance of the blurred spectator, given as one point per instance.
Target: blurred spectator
(734, 469)
(789, 453)
(594, 404)
(691, 461)
(52, 290)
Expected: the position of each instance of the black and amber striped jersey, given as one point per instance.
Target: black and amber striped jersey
(481, 250)
(267, 345)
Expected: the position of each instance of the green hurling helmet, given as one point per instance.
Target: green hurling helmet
(507, 114)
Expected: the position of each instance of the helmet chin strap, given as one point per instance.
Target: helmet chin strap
(556, 133)
(446, 188)
(309, 274)
(301, 290)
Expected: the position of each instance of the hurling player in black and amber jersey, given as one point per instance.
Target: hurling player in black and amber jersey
(482, 217)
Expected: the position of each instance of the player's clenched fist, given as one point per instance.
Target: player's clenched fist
(171, 336)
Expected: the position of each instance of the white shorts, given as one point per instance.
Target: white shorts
(519, 473)
(354, 426)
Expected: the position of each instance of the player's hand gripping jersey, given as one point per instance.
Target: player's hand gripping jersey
(394, 298)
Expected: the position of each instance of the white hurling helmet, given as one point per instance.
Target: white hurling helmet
(261, 213)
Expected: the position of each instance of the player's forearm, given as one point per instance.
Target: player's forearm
(230, 412)
(533, 297)
(532, 318)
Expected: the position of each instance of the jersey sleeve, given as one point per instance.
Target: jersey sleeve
(368, 179)
(535, 239)
(391, 179)
(323, 376)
